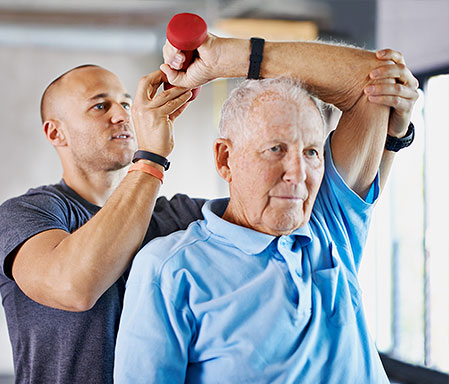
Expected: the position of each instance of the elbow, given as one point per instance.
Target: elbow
(66, 297)
(79, 304)
(74, 291)
(76, 300)
(70, 298)
(359, 79)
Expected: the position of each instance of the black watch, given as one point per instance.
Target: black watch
(161, 160)
(395, 144)
(255, 59)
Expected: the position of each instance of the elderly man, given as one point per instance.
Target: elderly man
(264, 289)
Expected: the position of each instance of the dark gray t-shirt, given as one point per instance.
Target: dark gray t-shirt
(55, 346)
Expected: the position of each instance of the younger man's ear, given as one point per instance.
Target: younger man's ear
(54, 133)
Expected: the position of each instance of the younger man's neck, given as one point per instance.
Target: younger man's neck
(97, 187)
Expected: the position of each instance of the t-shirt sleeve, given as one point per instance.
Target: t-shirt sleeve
(346, 213)
(25, 216)
(173, 215)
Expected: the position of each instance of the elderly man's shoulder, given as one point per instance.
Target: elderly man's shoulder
(171, 251)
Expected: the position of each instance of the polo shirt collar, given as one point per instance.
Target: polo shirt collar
(245, 239)
(303, 235)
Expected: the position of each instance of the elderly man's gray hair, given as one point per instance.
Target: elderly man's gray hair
(234, 113)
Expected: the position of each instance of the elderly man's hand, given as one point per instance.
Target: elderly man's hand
(199, 72)
(217, 57)
(401, 94)
(153, 115)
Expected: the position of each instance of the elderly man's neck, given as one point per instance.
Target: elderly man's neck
(236, 215)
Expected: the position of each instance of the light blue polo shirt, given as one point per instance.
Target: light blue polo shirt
(220, 303)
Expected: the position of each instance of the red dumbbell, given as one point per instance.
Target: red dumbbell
(186, 32)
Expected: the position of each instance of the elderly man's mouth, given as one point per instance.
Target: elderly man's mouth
(289, 198)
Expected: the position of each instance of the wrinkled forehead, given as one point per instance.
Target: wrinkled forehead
(271, 113)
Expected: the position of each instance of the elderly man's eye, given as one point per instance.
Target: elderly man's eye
(275, 149)
(312, 152)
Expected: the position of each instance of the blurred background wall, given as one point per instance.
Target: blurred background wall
(40, 39)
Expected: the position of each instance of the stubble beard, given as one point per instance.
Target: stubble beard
(104, 159)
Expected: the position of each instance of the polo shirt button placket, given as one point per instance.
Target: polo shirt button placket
(302, 282)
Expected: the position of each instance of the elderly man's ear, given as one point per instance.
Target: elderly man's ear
(222, 148)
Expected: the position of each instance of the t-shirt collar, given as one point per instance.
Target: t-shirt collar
(245, 239)
(87, 204)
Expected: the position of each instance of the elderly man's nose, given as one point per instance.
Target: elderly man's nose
(295, 171)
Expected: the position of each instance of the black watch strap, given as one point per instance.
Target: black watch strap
(158, 159)
(255, 58)
(395, 144)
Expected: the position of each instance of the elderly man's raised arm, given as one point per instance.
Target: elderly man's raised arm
(358, 144)
(336, 74)
(400, 95)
